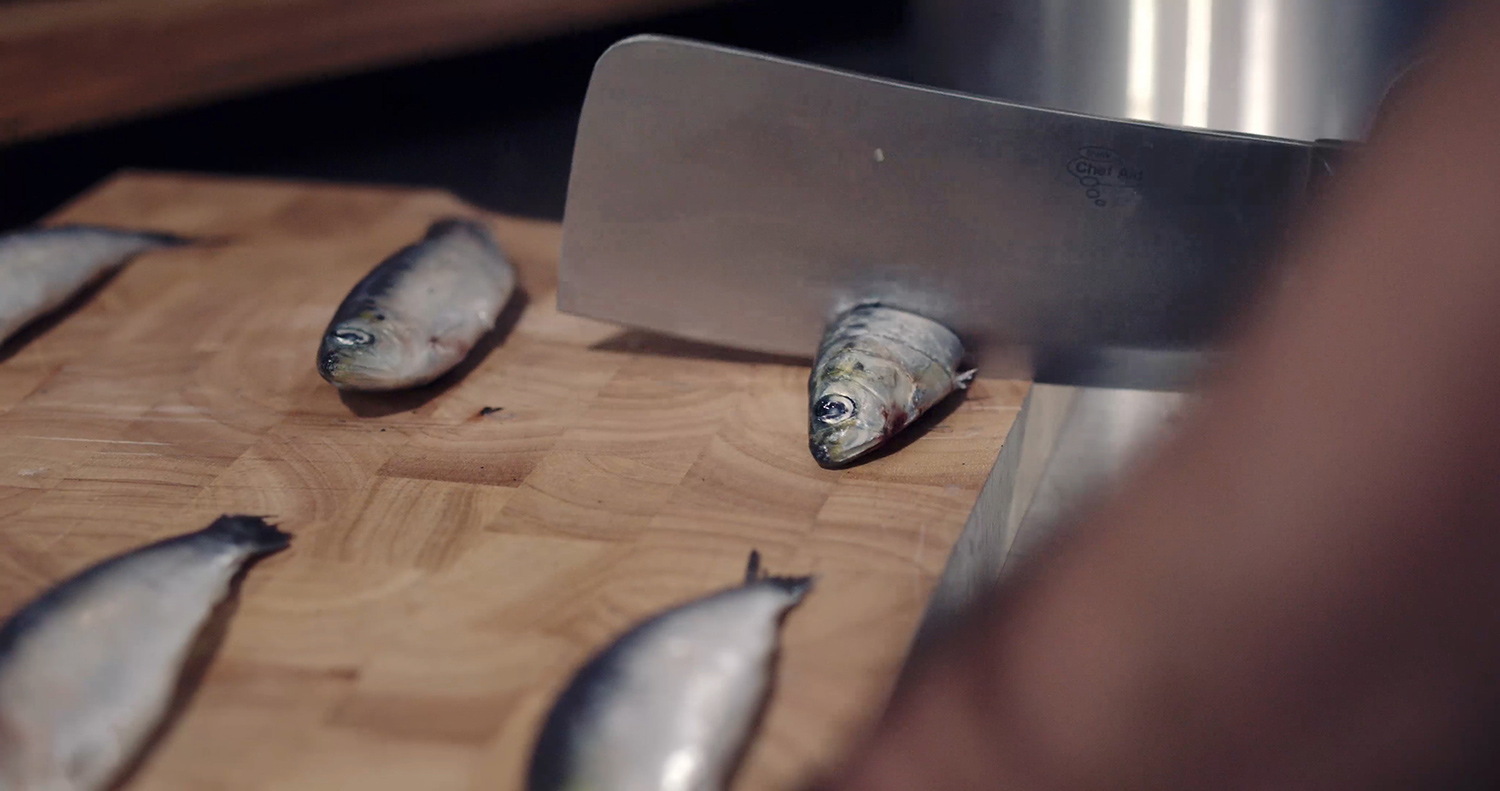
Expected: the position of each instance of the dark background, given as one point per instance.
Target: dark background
(495, 127)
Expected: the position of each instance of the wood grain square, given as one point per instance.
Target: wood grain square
(40, 446)
(22, 378)
(602, 495)
(481, 675)
(733, 492)
(15, 499)
(895, 527)
(408, 522)
(188, 431)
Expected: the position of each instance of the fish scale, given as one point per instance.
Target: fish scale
(878, 369)
(419, 312)
(88, 669)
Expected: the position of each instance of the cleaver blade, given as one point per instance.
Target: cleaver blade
(743, 200)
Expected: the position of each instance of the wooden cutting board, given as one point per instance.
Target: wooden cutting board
(450, 569)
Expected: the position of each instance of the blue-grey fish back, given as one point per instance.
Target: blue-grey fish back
(387, 275)
(383, 279)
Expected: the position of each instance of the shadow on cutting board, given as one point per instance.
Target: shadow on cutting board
(41, 325)
(657, 344)
(383, 404)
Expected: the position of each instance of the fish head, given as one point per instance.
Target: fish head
(846, 420)
(371, 352)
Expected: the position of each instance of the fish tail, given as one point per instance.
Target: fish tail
(796, 587)
(251, 531)
(217, 240)
(168, 239)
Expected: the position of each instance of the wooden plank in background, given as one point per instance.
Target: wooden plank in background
(69, 63)
(450, 569)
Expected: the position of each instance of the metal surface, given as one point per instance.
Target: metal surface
(744, 200)
(1291, 68)
(1070, 446)
(982, 549)
(1106, 430)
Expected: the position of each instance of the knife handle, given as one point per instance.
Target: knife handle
(1328, 155)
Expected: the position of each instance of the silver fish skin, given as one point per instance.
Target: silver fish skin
(419, 312)
(41, 268)
(670, 705)
(89, 668)
(878, 369)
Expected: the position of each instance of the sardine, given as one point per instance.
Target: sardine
(41, 268)
(89, 668)
(419, 312)
(877, 370)
(670, 705)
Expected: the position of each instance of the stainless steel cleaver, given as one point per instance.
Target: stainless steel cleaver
(738, 199)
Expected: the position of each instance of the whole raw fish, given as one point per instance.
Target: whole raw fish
(419, 312)
(88, 669)
(670, 705)
(41, 268)
(878, 369)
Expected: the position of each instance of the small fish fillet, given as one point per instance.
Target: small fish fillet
(419, 312)
(670, 705)
(41, 268)
(89, 668)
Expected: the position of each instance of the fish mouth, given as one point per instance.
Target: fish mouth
(831, 454)
(331, 365)
(822, 456)
(356, 372)
(341, 372)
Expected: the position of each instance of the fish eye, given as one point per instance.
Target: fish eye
(834, 408)
(349, 336)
